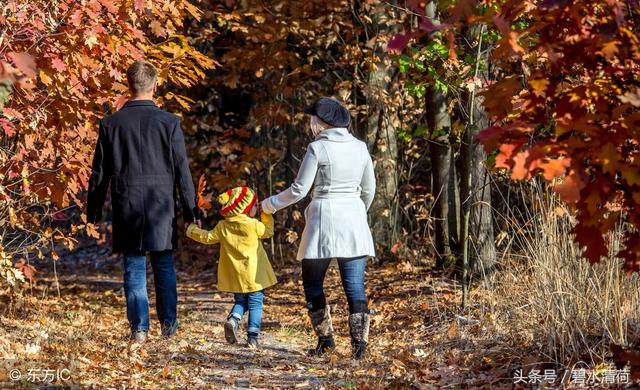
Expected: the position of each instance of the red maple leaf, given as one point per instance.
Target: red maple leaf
(27, 270)
(204, 201)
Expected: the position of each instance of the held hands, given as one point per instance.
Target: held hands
(261, 211)
(264, 210)
(187, 224)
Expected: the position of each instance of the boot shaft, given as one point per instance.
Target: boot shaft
(359, 330)
(321, 321)
(359, 327)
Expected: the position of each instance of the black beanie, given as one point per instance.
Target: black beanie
(331, 111)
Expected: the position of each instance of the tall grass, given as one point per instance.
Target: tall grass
(573, 310)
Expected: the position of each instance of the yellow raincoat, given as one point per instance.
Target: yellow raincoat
(244, 266)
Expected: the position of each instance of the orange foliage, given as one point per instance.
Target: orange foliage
(62, 67)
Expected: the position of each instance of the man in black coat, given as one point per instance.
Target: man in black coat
(141, 153)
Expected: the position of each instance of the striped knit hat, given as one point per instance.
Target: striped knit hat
(236, 201)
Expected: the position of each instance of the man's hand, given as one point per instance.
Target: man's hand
(197, 222)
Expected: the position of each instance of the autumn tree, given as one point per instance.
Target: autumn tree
(443, 167)
(381, 92)
(566, 104)
(446, 68)
(475, 188)
(62, 68)
(572, 114)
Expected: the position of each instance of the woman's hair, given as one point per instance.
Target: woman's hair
(318, 125)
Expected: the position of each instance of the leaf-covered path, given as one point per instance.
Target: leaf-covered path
(85, 331)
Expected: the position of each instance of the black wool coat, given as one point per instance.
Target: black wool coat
(141, 154)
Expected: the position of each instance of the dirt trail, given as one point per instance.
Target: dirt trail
(85, 331)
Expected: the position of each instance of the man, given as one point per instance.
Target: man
(141, 153)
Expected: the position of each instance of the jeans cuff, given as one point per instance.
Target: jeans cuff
(139, 329)
(171, 326)
(234, 315)
(253, 331)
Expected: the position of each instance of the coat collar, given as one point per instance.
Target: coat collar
(238, 218)
(335, 134)
(138, 103)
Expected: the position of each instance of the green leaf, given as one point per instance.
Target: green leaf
(5, 92)
(404, 135)
(421, 131)
(404, 62)
(442, 87)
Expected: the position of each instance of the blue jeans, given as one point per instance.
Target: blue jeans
(352, 275)
(135, 289)
(252, 303)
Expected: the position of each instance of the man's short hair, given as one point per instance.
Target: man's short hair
(141, 75)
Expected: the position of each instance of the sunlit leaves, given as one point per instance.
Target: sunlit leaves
(631, 97)
(582, 95)
(62, 68)
(204, 200)
(564, 104)
(24, 62)
(8, 273)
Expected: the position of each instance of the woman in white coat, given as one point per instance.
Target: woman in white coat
(338, 171)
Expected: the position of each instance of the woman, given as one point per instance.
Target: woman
(339, 168)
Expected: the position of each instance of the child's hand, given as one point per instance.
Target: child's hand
(266, 210)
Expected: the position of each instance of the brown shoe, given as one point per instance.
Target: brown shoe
(169, 330)
(231, 330)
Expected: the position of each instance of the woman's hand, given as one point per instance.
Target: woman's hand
(265, 207)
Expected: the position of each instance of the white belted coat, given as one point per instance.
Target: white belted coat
(339, 168)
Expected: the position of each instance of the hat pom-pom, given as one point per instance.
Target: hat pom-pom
(223, 198)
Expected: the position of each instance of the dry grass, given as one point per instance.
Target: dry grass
(550, 299)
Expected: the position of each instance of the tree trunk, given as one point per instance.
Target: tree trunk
(475, 191)
(292, 166)
(381, 136)
(482, 250)
(445, 209)
(443, 175)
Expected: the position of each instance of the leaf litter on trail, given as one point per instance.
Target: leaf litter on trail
(420, 341)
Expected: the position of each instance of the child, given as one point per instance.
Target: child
(244, 267)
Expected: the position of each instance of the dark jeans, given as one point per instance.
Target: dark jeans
(352, 275)
(135, 289)
(251, 303)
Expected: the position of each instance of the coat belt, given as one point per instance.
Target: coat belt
(335, 195)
